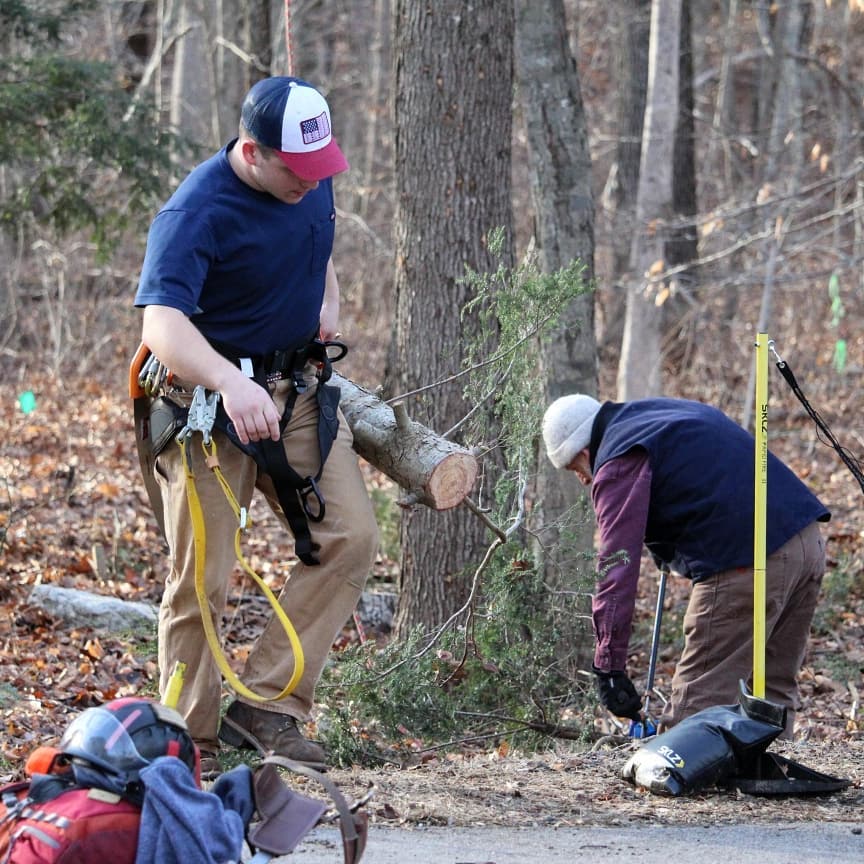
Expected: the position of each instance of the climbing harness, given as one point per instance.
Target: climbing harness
(158, 420)
(848, 459)
(299, 497)
(202, 415)
(289, 46)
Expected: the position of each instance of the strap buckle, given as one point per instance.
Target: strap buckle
(299, 381)
(311, 489)
(202, 414)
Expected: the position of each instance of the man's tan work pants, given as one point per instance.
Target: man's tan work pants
(317, 599)
(718, 631)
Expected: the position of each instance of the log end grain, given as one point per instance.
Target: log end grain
(451, 480)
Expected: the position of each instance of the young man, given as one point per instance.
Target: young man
(677, 476)
(236, 286)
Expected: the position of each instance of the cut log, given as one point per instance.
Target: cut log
(432, 470)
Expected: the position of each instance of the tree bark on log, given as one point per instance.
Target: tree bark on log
(432, 470)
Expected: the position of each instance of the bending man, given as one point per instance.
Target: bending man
(677, 476)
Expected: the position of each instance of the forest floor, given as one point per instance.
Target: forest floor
(73, 513)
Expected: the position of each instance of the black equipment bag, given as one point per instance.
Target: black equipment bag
(725, 745)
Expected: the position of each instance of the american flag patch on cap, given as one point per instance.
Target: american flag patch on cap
(315, 129)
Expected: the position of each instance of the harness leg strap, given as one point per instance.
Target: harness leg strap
(296, 494)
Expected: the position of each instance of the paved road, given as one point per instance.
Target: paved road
(794, 843)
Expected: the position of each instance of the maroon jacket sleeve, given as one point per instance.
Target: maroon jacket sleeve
(620, 492)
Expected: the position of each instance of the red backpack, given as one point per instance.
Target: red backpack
(82, 803)
(48, 819)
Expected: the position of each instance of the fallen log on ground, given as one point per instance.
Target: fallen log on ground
(432, 470)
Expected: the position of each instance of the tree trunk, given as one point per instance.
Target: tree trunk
(258, 35)
(191, 91)
(785, 155)
(453, 88)
(225, 49)
(682, 245)
(639, 370)
(619, 198)
(722, 118)
(378, 48)
(786, 140)
(551, 101)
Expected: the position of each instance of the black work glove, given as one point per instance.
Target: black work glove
(618, 694)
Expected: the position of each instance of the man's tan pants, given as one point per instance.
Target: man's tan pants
(317, 599)
(718, 631)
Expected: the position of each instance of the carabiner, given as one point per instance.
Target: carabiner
(341, 350)
(202, 414)
(777, 357)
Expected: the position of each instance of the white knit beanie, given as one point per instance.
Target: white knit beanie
(567, 427)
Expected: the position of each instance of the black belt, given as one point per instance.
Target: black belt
(277, 365)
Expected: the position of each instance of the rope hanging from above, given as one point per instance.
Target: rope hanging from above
(848, 459)
(289, 49)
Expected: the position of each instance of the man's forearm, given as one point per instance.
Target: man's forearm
(329, 318)
(181, 346)
(621, 495)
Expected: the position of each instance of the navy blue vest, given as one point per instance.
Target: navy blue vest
(700, 518)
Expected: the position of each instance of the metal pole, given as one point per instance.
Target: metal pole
(655, 637)
(645, 726)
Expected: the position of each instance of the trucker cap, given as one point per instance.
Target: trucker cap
(292, 117)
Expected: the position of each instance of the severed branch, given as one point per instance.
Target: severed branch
(491, 360)
(432, 470)
(554, 730)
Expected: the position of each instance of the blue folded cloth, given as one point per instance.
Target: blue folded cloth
(182, 824)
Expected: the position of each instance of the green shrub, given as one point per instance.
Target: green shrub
(499, 669)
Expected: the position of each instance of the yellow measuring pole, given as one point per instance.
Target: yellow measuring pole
(760, 515)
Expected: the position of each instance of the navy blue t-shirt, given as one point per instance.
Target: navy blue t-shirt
(247, 269)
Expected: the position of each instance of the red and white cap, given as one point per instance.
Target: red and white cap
(293, 118)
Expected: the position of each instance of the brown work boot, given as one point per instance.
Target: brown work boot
(268, 732)
(210, 767)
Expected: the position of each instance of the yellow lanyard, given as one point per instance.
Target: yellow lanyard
(199, 533)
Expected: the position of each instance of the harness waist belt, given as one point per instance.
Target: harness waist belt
(286, 360)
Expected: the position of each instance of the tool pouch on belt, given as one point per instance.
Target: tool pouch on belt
(166, 420)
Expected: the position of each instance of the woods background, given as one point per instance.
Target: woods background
(702, 161)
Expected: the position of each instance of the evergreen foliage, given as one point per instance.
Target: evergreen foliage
(74, 154)
(493, 672)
